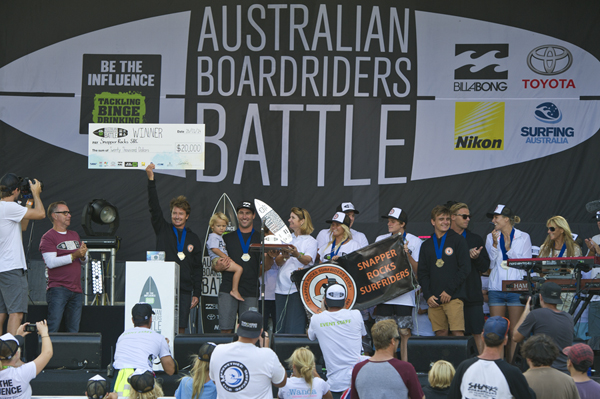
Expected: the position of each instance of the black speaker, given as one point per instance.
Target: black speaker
(424, 351)
(285, 344)
(187, 345)
(75, 351)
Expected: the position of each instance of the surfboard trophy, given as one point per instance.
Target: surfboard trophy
(283, 237)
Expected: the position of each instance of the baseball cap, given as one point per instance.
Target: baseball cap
(501, 210)
(496, 325)
(335, 296)
(206, 351)
(596, 216)
(346, 206)
(340, 217)
(550, 292)
(12, 343)
(247, 205)
(397, 213)
(142, 380)
(251, 323)
(10, 181)
(142, 311)
(580, 354)
(97, 387)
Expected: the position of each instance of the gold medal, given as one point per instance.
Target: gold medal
(245, 257)
(504, 265)
(181, 255)
(439, 263)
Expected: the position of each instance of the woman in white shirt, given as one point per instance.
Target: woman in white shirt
(559, 242)
(503, 243)
(290, 313)
(340, 239)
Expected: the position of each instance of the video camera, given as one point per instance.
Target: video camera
(12, 182)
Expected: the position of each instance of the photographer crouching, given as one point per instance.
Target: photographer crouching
(14, 219)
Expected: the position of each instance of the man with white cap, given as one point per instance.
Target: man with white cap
(339, 332)
(547, 320)
(348, 208)
(138, 347)
(14, 375)
(400, 309)
(243, 370)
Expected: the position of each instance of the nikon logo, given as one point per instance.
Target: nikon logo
(479, 126)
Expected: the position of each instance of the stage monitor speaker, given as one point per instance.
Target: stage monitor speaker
(424, 351)
(285, 344)
(187, 345)
(75, 351)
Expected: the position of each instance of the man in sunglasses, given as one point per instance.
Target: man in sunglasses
(480, 263)
(13, 266)
(63, 253)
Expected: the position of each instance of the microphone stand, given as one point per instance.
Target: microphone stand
(263, 260)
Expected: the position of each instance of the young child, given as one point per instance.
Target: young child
(440, 378)
(221, 262)
(304, 379)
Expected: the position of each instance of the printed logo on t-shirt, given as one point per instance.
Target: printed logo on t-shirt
(68, 245)
(449, 251)
(234, 376)
(482, 390)
(190, 248)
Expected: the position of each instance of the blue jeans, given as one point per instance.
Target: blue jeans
(63, 301)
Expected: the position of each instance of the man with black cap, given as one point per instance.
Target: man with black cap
(489, 375)
(339, 332)
(13, 267)
(548, 320)
(138, 347)
(243, 370)
(181, 245)
(348, 208)
(238, 248)
(400, 309)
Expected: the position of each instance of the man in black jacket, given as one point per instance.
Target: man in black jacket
(480, 263)
(444, 265)
(180, 244)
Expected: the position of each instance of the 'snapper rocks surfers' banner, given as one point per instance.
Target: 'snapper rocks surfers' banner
(315, 103)
(371, 275)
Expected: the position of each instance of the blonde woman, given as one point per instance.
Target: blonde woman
(341, 242)
(198, 385)
(440, 378)
(559, 242)
(503, 243)
(304, 378)
(289, 310)
(144, 385)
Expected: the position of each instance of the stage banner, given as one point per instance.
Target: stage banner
(371, 275)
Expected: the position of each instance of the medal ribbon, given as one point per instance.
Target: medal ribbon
(438, 249)
(245, 245)
(562, 250)
(502, 246)
(180, 242)
(331, 254)
(464, 233)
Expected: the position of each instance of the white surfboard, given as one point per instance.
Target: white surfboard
(273, 222)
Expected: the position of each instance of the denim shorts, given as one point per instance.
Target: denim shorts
(501, 298)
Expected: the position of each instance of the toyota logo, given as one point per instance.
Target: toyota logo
(549, 60)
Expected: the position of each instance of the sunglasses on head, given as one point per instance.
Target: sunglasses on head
(464, 216)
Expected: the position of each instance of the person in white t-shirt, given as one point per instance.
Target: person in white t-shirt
(348, 208)
(243, 370)
(339, 332)
(305, 382)
(14, 219)
(341, 242)
(14, 374)
(138, 347)
(400, 309)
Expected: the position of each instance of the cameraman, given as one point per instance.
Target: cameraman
(13, 220)
(547, 320)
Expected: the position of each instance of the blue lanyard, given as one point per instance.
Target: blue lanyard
(464, 233)
(438, 249)
(331, 254)
(502, 246)
(180, 241)
(245, 245)
(562, 250)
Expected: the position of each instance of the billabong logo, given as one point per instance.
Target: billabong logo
(479, 126)
(481, 61)
(150, 295)
(549, 59)
(111, 132)
(548, 113)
